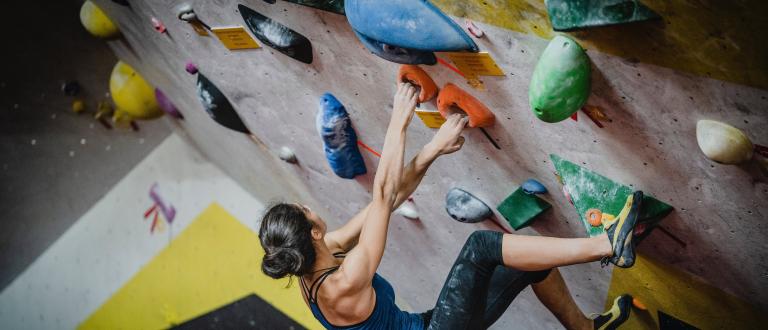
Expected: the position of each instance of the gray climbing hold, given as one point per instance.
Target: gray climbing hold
(465, 207)
(287, 155)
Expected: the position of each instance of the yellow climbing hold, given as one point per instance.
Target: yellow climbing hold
(723, 143)
(131, 94)
(78, 106)
(96, 21)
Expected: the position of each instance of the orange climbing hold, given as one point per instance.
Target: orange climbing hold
(417, 76)
(451, 95)
(594, 217)
(639, 304)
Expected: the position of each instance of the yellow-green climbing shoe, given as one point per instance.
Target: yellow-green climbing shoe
(621, 231)
(615, 316)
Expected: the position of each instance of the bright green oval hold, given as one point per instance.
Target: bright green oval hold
(560, 83)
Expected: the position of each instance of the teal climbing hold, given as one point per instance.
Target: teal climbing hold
(521, 208)
(561, 81)
(567, 15)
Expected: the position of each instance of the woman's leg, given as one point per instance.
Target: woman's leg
(464, 297)
(534, 253)
(554, 294)
(462, 301)
(506, 284)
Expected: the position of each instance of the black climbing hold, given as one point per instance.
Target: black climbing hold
(218, 106)
(277, 36)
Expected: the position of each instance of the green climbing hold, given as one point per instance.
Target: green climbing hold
(561, 81)
(521, 208)
(567, 15)
(590, 190)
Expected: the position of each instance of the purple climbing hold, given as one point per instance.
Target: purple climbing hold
(167, 105)
(190, 67)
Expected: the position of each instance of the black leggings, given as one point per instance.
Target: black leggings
(479, 288)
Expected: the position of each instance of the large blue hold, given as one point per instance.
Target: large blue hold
(339, 138)
(397, 54)
(409, 24)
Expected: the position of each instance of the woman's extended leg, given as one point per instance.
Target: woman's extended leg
(533, 253)
(554, 294)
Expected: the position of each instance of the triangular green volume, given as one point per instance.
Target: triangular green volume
(590, 190)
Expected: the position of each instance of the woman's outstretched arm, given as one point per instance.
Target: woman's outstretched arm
(361, 263)
(447, 140)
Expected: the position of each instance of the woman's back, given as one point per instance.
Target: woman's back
(380, 313)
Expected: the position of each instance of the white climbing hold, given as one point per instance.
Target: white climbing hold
(408, 210)
(723, 143)
(287, 155)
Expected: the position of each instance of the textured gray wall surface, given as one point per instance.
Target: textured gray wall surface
(650, 144)
(55, 164)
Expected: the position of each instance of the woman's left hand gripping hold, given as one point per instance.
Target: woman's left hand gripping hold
(405, 102)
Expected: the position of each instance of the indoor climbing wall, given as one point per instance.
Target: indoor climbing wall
(652, 80)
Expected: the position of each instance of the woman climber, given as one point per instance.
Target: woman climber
(337, 269)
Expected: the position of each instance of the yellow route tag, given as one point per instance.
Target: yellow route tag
(431, 118)
(475, 64)
(235, 37)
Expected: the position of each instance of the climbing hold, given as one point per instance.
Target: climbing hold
(473, 29)
(416, 76)
(78, 106)
(334, 6)
(218, 106)
(465, 207)
(186, 13)
(451, 95)
(287, 155)
(166, 105)
(277, 36)
(397, 54)
(97, 22)
(561, 81)
(410, 24)
(568, 15)
(639, 304)
(408, 210)
(70, 88)
(158, 25)
(594, 217)
(531, 186)
(723, 143)
(339, 138)
(520, 208)
(190, 67)
(132, 94)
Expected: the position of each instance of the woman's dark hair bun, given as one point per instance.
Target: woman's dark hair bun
(282, 262)
(286, 236)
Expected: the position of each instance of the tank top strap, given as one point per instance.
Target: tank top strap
(314, 288)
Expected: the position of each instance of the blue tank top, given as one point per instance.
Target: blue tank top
(385, 315)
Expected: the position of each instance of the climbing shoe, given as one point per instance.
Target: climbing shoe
(620, 232)
(615, 316)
